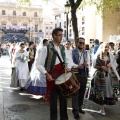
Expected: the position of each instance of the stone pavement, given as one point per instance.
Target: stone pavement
(17, 105)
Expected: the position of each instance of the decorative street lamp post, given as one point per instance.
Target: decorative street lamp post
(67, 9)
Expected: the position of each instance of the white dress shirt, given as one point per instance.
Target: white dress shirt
(69, 60)
(43, 56)
(81, 58)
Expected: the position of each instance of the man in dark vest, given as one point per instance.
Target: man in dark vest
(50, 65)
(80, 58)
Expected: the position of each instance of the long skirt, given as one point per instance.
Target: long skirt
(104, 90)
(14, 78)
(36, 87)
(36, 82)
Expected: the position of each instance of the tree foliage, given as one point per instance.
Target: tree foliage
(102, 5)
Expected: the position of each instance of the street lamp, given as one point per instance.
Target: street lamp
(67, 9)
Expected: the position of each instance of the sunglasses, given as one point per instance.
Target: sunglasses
(81, 43)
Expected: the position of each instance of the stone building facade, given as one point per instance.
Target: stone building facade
(111, 26)
(92, 25)
(48, 27)
(14, 18)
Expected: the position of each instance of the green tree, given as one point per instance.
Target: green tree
(101, 6)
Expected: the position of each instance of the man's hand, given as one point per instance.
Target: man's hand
(85, 63)
(49, 77)
(67, 70)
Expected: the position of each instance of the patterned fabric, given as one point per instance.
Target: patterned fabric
(75, 56)
(36, 90)
(105, 88)
(51, 56)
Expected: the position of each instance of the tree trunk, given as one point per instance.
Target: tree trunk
(74, 24)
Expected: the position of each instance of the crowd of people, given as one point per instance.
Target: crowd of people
(36, 69)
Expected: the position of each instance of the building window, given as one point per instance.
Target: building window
(57, 17)
(14, 13)
(50, 27)
(60, 25)
(82, 9)
(64, 24)
(55, 25)
(36, 28)
(91, 41)
(83, 20)
(3, 12)
(83, 33)
(24, 13)
(35, 14)
(46, 33)
(83, 30)
(3, 25)
(15, 24)
(64, 33)
(46, 27)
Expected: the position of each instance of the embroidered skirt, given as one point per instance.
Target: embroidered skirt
(105, 90)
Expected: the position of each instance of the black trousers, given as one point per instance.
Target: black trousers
(30, 65)
(78, 98)
(53, 105)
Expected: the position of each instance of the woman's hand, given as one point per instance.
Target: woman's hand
(105, 69)
(31, 56)
(109, 65)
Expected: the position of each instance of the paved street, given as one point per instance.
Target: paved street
(17, 105)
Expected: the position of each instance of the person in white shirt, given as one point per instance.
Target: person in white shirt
(36, 83)
(20, 72)
(50, 65)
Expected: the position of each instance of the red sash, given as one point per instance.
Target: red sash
(58, 70)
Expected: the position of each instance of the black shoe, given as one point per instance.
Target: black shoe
(21, 89)
(76, 116)
(82, 111)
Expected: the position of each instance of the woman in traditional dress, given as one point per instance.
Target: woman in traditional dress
(20, 72)
(104, 90)
(31, 52)
(68, 49)
(37, 81)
